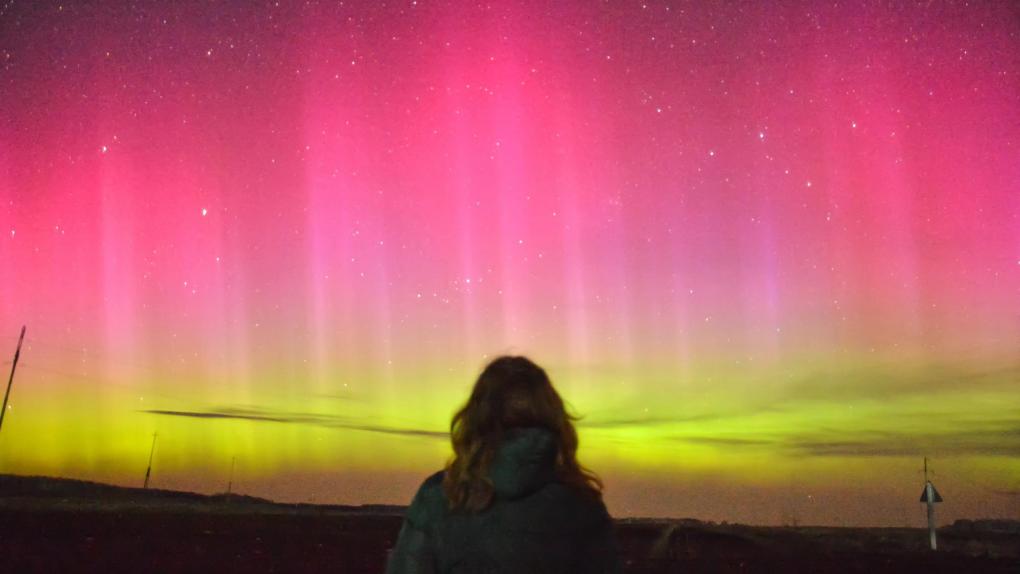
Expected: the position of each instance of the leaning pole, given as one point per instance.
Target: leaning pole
(148, 469)
(10, 380)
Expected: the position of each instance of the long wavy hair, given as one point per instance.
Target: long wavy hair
(511, 392)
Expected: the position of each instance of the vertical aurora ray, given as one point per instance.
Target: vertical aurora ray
(771, 254)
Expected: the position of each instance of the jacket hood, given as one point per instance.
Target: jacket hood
(524, 462)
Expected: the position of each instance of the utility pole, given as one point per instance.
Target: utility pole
(930, 496)
(148, 470)
(230, 483)
(10, 381)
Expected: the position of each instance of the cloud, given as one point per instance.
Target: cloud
(894, 434)
(950, 434)
(640, 421)
(213, 415)
(627, 422)
(888, 381)
(317, 419)
(725, 441)
(1001, 441)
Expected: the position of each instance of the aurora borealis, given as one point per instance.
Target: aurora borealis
(769, 251)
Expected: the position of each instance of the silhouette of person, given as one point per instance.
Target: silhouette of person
(513, 498)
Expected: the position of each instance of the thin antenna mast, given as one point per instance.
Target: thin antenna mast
(10, 381)
(148, 471)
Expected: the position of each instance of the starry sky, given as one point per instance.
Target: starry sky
(770, 252)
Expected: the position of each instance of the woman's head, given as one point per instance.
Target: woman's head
(511, 392)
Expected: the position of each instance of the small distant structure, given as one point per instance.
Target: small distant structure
(10, 381)
(230, 483)
(930, 497)
(148, 470)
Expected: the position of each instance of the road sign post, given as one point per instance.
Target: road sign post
(930, 497)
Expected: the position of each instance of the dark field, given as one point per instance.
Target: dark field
(51, 525)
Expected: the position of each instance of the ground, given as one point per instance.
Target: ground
(67, 526)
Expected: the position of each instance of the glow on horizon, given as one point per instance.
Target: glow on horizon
(771, 256)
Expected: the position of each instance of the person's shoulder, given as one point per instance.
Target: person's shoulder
(592, 514)
(434, 481)
(583, 497)
(586, 507)
(429, 502)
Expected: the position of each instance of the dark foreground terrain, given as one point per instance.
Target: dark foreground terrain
(51, 525)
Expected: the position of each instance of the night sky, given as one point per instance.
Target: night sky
(769, 251)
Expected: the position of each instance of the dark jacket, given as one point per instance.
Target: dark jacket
(535, 524)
